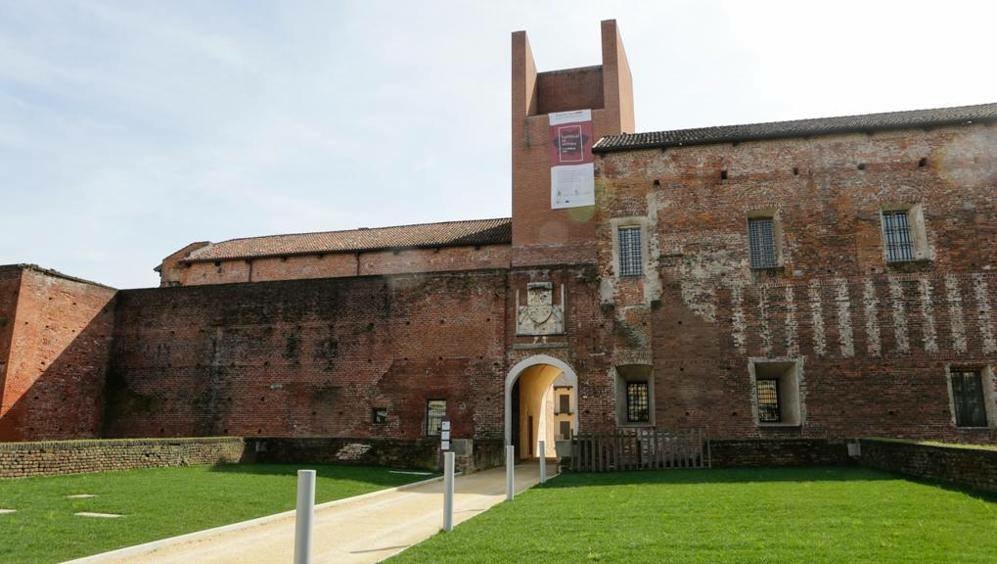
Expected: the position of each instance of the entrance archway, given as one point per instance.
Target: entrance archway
(533, 411)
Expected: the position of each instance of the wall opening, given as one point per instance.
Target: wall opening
(540, 404)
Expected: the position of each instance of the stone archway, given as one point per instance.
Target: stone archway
(539, 373)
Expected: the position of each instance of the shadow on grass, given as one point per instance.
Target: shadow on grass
(749, 475)
(369, 474)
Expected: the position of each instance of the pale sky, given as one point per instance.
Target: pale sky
(129, 129)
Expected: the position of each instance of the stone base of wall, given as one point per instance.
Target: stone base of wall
(422, 454)
(49, 458)
(727, 453)
(967, 466)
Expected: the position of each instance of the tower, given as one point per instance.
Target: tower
(556, 116)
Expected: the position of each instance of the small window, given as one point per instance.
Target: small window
(565, 430)
(768, 401)
(897, 236)
(967, 398)
(638, 405)
(436, 412)
(379, 415)
(631, 257)
(761, 242)
(564, 403)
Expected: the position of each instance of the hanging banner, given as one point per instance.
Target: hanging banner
(572, 172)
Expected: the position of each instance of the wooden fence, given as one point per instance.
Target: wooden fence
(640, 449)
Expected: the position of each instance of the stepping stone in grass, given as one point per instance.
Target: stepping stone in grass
(101, 515)
(81, 496)
(3, 511)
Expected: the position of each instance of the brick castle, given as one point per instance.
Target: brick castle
(823, 278)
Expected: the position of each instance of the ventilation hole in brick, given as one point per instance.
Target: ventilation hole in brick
(861, 166)
(259, 431)
(162, 430)
(687, 414)
(487, 319)
(408, 323)
(796, 171)
(891, 412)
(657, 182)
(314, 413)
(440, 358)
(261, 398)
(680, 323)
(723, 174)
(218, 263)
(225, 431)
(923, 162)
(733, 414)
(681, 369)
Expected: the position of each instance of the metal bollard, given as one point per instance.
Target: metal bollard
(543, 462)
(303, 518)
(448, 490)
(510, 460)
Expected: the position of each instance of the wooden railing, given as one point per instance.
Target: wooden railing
(640, 449)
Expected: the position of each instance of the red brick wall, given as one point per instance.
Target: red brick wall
(10, 285)
(309, 358)
(875, 339)
(58, 353)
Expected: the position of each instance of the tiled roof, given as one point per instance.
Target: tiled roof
(424, 235)
(797, 128)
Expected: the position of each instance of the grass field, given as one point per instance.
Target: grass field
(744, 515)
(157, 503)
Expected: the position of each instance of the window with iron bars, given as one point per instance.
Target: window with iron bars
(967, 398)
(638, 402)
(436, 412)
(896, 230)
(761, 242)
(767, 394)
(631, 263)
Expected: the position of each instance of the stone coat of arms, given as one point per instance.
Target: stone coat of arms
(540, 316)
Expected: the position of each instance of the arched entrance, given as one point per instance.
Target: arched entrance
(535, 404)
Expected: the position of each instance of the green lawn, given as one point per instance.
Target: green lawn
(158, 503)
(743, 515)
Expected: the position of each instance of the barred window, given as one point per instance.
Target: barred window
(768, 401)
(638, 402)
(967, 397)
(761, 242)
(379, 415)
(896, 230)
(631, 263)
(436, 412)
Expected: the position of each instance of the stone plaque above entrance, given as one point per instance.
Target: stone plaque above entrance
(540, 316)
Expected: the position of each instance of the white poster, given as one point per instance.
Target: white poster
(572, 186)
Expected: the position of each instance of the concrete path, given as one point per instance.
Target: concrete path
(366, 528)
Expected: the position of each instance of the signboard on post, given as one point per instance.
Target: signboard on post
(445, 435)
(572, 172)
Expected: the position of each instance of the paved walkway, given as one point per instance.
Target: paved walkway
(368, 528)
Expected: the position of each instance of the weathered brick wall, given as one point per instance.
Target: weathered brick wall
(58, 348)
(874, 338)
(310, 358)
(778, 453)
(47, 458)
(962, 465)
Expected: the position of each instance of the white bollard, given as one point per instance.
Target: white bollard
(448, 490)
(543, 462)
(510, 477)
(303, 518)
